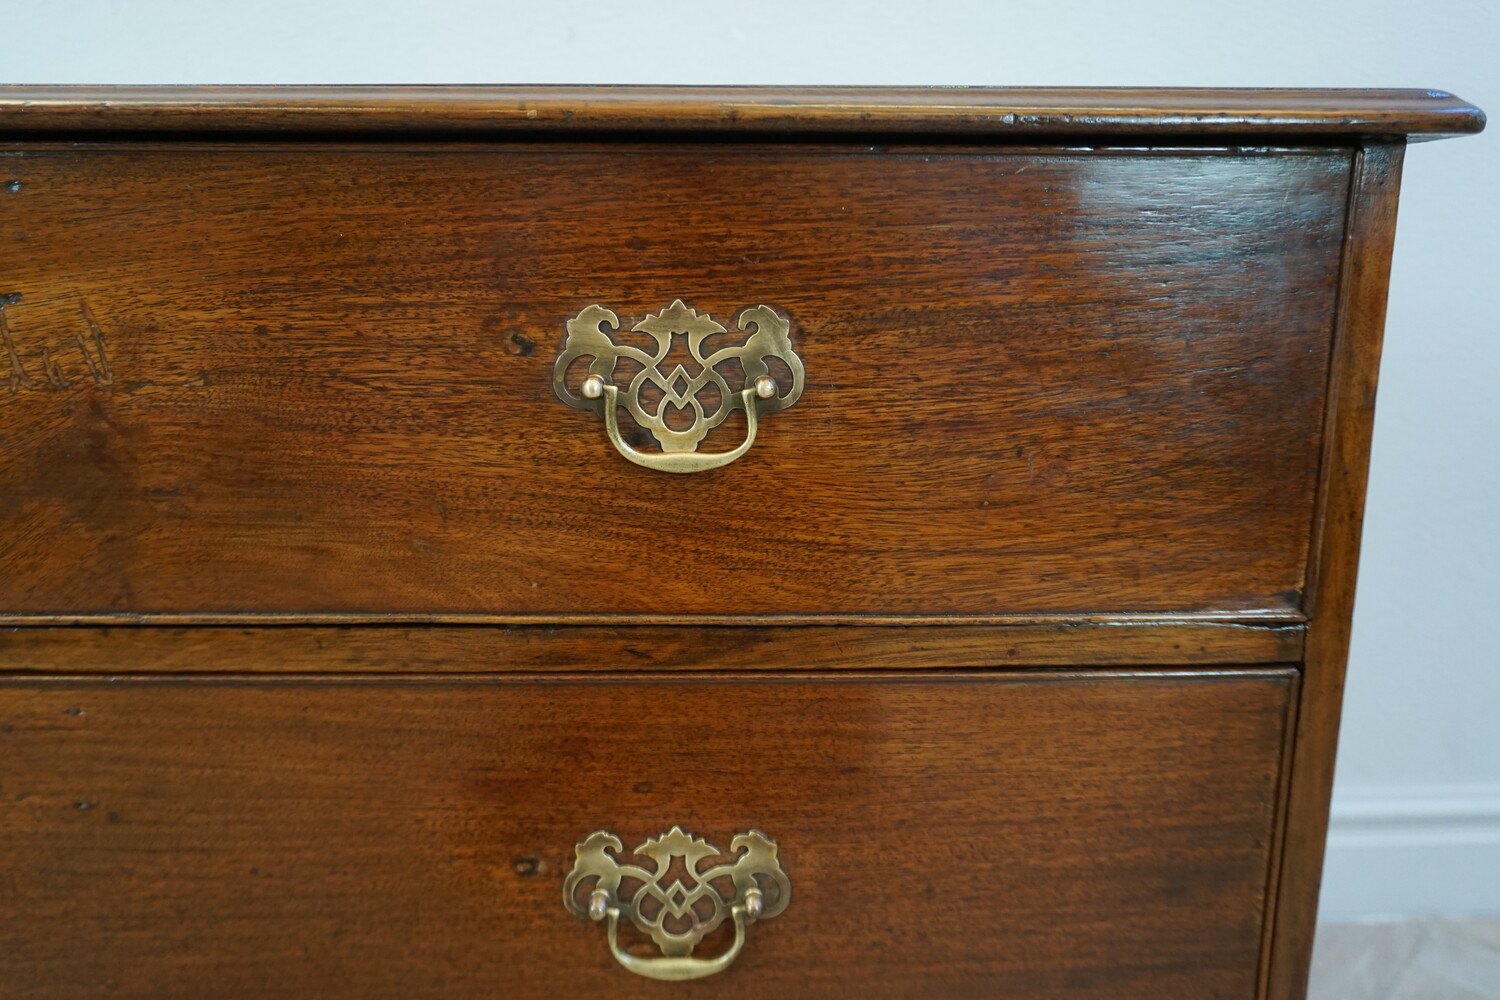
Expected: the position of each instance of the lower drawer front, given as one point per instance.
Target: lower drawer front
(1059, 834)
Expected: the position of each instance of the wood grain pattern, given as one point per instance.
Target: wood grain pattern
(479, 649)
(1003, 112)
(1038, 383)
(999, 836)
(1350, 421)
(401, 628)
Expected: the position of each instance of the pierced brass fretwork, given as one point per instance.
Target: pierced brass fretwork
(758, 889)
(760, 393)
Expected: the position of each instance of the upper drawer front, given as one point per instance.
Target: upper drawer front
(253, 378)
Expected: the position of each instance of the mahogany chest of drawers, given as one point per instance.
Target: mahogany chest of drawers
(473, 542)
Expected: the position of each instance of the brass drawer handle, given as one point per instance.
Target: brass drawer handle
(760, 891)
(760, 392)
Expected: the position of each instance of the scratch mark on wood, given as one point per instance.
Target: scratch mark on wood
(90, 348)
(55, 377)
(18, 378)
(100, 371)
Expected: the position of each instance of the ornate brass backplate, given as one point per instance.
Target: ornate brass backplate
(755, 389)
(679, 913)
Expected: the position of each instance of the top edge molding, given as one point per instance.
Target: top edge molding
(1004, 112)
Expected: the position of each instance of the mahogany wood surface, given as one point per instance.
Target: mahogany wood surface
(329, 630)
(1350, 421)
(316, 380)
(480, 649)
(1060, 835)
(1176, 113)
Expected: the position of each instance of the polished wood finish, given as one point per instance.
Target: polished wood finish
(1350, 420)
(483, 649)
(1059, 835)
(307, 380)
(329, 630)
(1170, 113)
(1265, 617)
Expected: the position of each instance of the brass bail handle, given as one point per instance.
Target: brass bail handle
(766, 333)
(678, 968)
(755, 867)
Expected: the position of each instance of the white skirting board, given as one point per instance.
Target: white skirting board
(1407, 852)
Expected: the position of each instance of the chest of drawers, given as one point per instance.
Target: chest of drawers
(468, 542)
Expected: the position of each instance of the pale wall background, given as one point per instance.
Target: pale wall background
(1417, 813)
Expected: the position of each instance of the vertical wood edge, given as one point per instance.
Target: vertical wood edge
(1278, 833)
(1334, 560)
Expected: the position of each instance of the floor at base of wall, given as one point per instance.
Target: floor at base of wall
(1430, 959)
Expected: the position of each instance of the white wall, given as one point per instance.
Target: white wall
(1417, 815)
